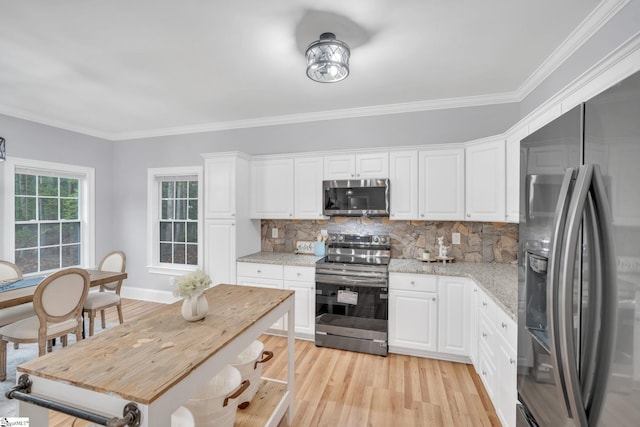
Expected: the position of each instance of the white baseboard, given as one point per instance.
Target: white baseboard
(152, 295)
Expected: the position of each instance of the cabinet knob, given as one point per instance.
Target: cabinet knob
(475, 290)
(433, 299)
(504, 325)
(259, 271)
(413, 283)
(298, 274)
(233, 214)
(484, 373)
(484, 303)
(352, 176)
(468, 215)
(422, 215)
(484, 335)
(512, 360)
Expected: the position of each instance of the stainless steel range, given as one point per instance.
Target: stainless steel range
(352, 293)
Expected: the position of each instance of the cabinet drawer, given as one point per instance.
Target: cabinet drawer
(267, 271)
(507, 328)
(299, 274)
(413, 282)
(487, 307)
(486, 333)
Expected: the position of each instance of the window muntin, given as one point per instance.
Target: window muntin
(178, 222)
(48, 229)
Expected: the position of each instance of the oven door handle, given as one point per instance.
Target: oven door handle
(359, 281)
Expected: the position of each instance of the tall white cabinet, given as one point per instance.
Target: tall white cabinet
(228, 231)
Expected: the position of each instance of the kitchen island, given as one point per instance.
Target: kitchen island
(158, 362)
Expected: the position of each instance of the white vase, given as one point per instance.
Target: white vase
(195, 307)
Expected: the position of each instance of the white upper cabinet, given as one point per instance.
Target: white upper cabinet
(308, 187)
(272, 188)
(485, 181)
(356, 166)
(441, 184)
(403, 177)
(226, 176)
(513, 168)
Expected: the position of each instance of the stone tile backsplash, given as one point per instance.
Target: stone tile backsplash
(479, 241)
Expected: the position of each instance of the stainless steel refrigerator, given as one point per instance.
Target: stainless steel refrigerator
(579, 266)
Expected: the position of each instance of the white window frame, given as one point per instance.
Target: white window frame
(86, 209)
(153, 218)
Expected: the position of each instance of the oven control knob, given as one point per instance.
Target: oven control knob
(341, 238)
(383, 240)
(376, 240)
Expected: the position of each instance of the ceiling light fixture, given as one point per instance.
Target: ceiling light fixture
(3, 153)
(328, 59)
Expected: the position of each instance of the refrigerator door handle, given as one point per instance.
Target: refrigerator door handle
(553, 280)
(586, 399)
(605, 281)
(565, 296)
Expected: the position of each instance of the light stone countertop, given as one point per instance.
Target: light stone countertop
(499, 281)
(283, 258)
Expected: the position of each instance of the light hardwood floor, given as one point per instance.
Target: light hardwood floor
(340, 388)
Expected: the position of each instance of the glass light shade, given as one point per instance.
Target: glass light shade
(328, 59)
(3, 154)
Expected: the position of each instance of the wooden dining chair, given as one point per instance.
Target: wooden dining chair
(109, 293)
(58, 302)
(10, 271)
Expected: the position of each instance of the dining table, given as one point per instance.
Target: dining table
(21, 291)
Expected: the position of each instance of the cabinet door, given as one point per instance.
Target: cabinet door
(341, 166)
(308, 188)
(220, 187)
(513, 168)
(220, 250)
(372, 165)
(403, 176)
(473, 326)
(485, 181)
(453, 315)
(413, 320)
(441, 187)
(305, 306)
(505, 383)
(272, 189)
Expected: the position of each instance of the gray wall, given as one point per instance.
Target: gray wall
(34, 141)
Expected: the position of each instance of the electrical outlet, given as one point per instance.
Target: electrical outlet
(323, 232)
(274, 233)
(455, 238)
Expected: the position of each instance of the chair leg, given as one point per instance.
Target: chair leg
(50, 344)
(119, 307)
(3, 360)
(44, 346)
(92, 319)
(104, 322)
(63, 339)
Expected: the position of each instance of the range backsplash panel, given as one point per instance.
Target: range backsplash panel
(479, 241)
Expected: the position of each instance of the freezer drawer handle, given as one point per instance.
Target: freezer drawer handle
(131, 414)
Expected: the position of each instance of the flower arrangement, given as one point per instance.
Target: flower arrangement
(191, 284)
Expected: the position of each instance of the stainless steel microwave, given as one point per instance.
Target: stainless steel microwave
(356, 197)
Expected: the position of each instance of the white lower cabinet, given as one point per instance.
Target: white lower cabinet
(412, 321)
(454, 295)
(497, 357)
(429, 315)
(262, 276)
(301, 280)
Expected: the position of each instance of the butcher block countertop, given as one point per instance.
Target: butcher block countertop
(142, 359)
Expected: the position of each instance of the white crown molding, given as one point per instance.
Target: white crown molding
(606, 10)
(347, 113)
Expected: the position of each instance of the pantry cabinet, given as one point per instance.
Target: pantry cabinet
(485, 181)
(228, 231)
(272, 189)
(356, 166)
(441, 184)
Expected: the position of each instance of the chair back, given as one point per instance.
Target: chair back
(9, 271)
(113, 261)
(60, 296)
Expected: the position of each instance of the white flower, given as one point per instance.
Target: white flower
(191, 284)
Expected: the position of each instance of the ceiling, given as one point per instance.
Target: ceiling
(121, 69)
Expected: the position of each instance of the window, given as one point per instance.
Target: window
(174, 214)
(50, 209)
